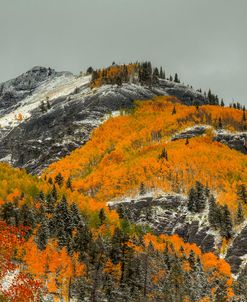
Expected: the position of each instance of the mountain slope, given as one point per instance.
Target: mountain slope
(33, 136)
(139, 150)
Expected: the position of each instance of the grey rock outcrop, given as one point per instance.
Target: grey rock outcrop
(187, 94)
(234, 140)
(13, 91)
(238, 250)
(237, 141)
(168, 214)
(190, 132)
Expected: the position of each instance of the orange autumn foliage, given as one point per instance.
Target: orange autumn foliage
(124, 152)
(52, 265)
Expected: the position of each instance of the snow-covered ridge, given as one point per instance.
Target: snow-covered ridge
(51, 89)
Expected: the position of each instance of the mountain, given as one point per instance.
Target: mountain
(33, 136)
(134, 189)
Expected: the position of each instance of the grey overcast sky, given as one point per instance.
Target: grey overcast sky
(205, 41)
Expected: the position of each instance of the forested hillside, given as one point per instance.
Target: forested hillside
(151, 208)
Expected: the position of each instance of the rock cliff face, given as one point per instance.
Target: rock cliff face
(237, 253)
(237, 140)
(33, 135)
(13, 91)
(168, 214)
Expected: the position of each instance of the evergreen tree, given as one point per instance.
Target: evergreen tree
(197, 198)
(176, 79)
(200, 197)
(242, 193)
(63, 239)
(174, 110)
(162, 74)
(42, 235)
(163, 154)
(27, 217)
(90, 70)
(59, 179)
(75, 215)
(213, 213)
(69, 184)
(50, 202)
(42, 196)
(226, 222)
(102, 216)
(8, 212)
(142, 190)
(145, 73)
(119, 81)
(207, 190)
(244, 116)
(156, 75)
(192, 200)
(222, 104)
(239, 214)
(54, 192)
(220, 126)
(95, 75)
(42, 107)
(82, 240)
(48, 104)
(187, 141)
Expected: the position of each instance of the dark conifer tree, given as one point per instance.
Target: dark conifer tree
(213, 217)
(244, 115)
(75, 215)
(242, 193)
(220, 126)
(163, 154)
(174, 110)
(8, 212)
(176, 79)
(42, 107)
(82, 240)
(42, 234)
(239, 214)
(226, 222)
(50, 203)
(102, 216)
(142, 189)
(27, 217)
(69, 184)
(90, 70)
(200, 196)
(48, 104)
(54, 192)
(59, 179)
(192, 200)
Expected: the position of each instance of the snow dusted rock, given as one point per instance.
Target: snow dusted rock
(237, 141)
(238, 251)
(168, 214)
(188, 95)
(191, 132)
(13, 91)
